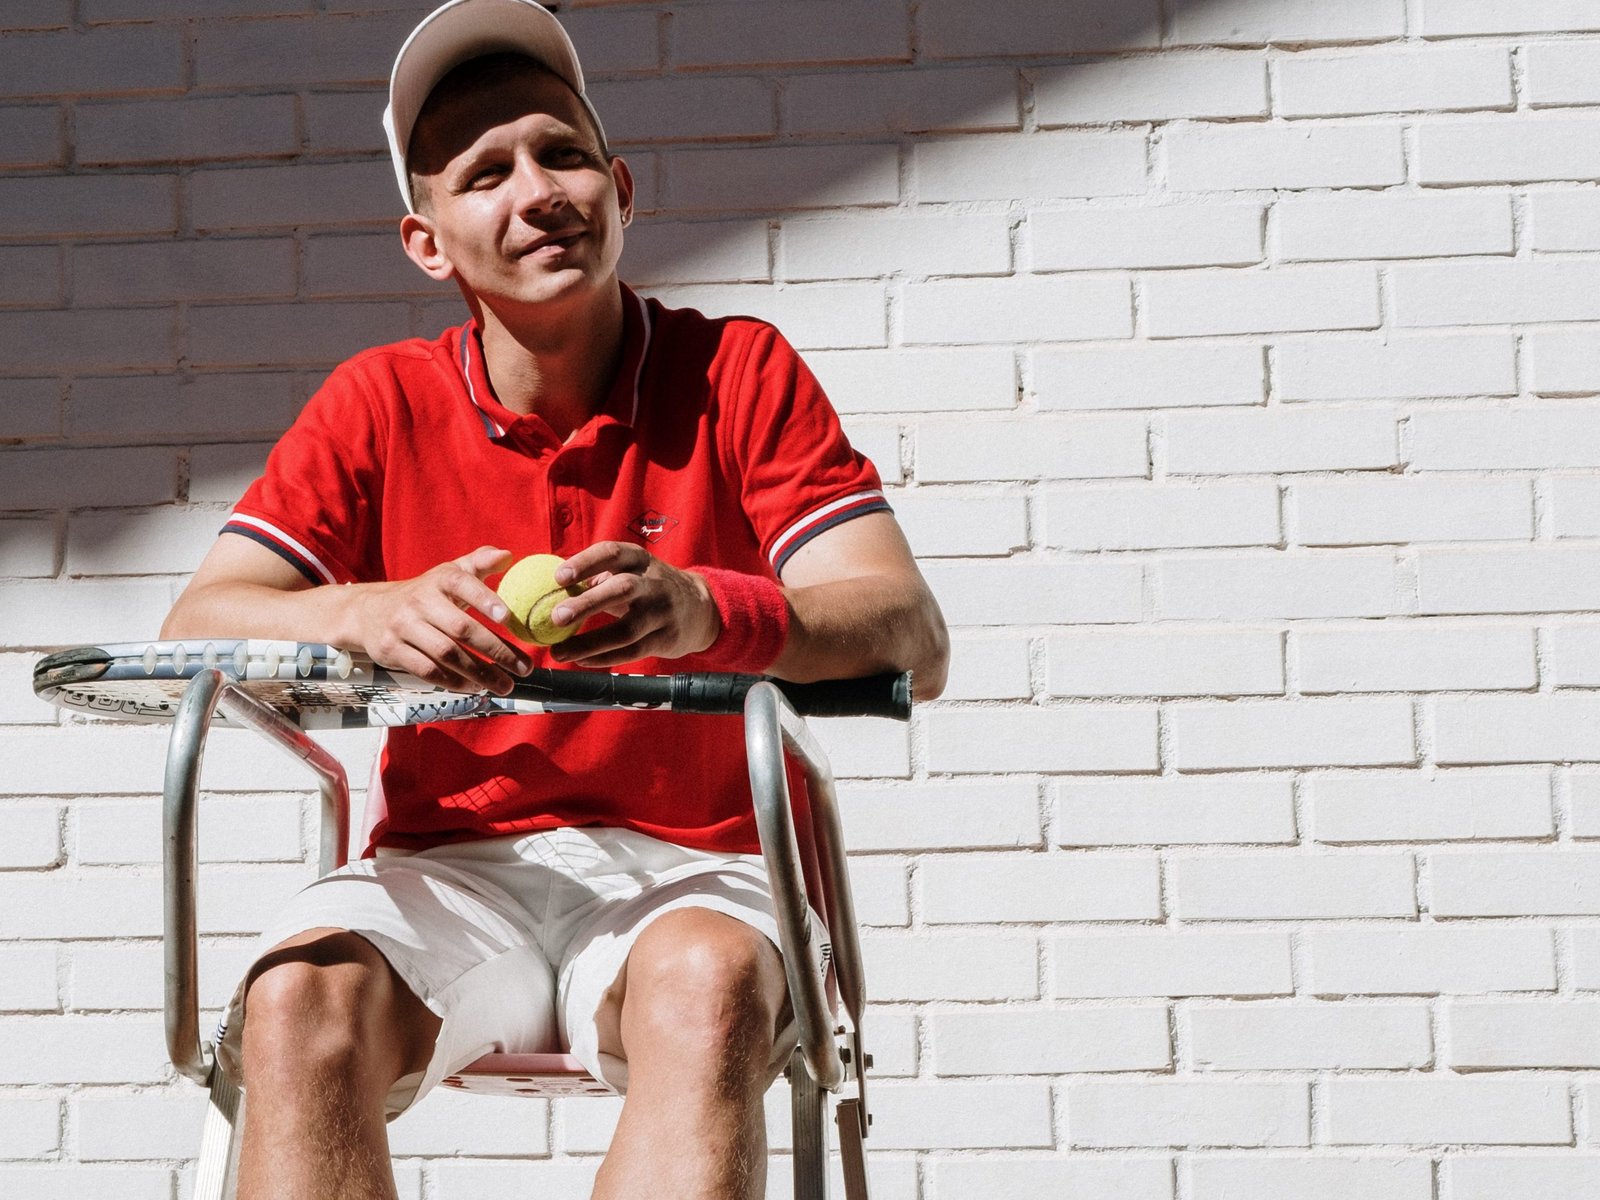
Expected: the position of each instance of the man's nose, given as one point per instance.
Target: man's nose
(537, 190)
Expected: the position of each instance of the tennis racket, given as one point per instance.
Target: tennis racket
(320, 687)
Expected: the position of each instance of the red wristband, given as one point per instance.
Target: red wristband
(755, 620)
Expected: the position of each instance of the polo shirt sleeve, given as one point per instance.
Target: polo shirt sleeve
(317, 503)
(798, 473)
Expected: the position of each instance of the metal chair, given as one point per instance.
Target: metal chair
(828, 1057)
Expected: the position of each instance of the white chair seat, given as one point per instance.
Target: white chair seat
(526, 1075)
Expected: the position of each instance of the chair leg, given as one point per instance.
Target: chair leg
(807, 1104)
(216, 1176)
(852, 1151)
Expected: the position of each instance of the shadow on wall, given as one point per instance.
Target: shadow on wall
(766, 155)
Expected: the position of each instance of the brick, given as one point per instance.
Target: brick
(1211, 158)
(1565, 220)
(863, 747)
(1280, 441)
(130, 976)
(1514, 882)
(941, 815)
(951, 965)
(1030, 166)
(1104, 1113)
(1017, 308)
(314, 194)
(30, 836)
(30, 548)
(827, 316)
(1039, 888)
(1170, 810)
(1554, 579)
(1509, 292)
(344, 122)
(1254, 22)
(691, 252)
(1427, 225)
(925, 99)
(1365, 512)
(1433, 78)
(88, 478)
(1168, 87)
(873, 245)
(1431, 960)
(770, 178)
(953, 29)
(197, 404)
(1047, 447)
(917, 380)
(1120, 662)
(221, 473)
(1108, 738)
(1171, 963)
(680, 109)
(1292, 733)
(279, 334)
(879, 888)
(1113, 1177)
(18, 704)
(1310, 1037)
(75, 205)
(829, 31)
(1575, 656)
(1323, 1177)
(59, 1049)
(1585, 957)
(37, 14)
(298, 51)
(985, 1041)
(362, 265)
(1530, 1177)
(1490, 1036)
(1415, 656)
(957, 1116)
(71, 1182)
(1445, 807)
(30, 1126)
(28, 978)
(1292, 886)
(200, 128)
(1484, 1111)
(1149, 375)
(985, 669)
(1513, 729)
(30, 275)
(1147, 516)
(1396, 366)
(30, 136)
(89, 339)
(1291, 299)
(1469, 17)
(1274, 586)
(1468, 439)
(453, 1125)
(612, 41)
(247, 829)
(192, 270)
(134, 59)
(1511, 149)
(880, 443)
(105, 11)
(144, 1126)
(946, 523)
(1562, 73)
(1170, 235)
(32, 411)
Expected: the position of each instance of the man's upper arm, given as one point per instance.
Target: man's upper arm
(869, 545)
(231, 560)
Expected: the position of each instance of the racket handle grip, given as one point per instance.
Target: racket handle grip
(886, 695)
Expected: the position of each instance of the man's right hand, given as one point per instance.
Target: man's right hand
(422, 625)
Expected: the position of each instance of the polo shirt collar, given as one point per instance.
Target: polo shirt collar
(621, 406)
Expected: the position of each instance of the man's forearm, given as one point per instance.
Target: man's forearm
(240, 609)
(852, 627)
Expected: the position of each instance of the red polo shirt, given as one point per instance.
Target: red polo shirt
(715, 447)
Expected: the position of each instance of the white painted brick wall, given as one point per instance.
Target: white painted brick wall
(1233, 367)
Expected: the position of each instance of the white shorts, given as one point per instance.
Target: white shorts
(518, 943)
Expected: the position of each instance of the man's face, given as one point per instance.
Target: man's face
(519, 203)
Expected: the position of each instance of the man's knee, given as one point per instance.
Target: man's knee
(328, 1004)
(705, 980)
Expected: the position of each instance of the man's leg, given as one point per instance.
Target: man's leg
(703, 992)
(329, 1029)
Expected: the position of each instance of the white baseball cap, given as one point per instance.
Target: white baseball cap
(465, 29)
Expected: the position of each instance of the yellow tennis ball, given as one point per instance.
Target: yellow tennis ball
(531, 592)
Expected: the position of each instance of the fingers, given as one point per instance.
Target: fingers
(485, 560)
(603, 556)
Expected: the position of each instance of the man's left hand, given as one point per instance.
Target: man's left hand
(661, 612)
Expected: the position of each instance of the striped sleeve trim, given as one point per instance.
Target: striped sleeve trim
(280, 543)
(826, 517)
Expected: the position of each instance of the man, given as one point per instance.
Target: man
(582, 879)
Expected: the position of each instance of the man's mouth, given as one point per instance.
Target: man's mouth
(561, 238)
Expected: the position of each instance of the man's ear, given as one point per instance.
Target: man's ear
(421, 242)
(623, 178)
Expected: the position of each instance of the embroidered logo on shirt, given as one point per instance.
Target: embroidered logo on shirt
(652, 526)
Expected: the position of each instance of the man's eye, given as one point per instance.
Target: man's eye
(485, 177)
(567, 156)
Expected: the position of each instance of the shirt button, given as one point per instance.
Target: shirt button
(563, 516)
